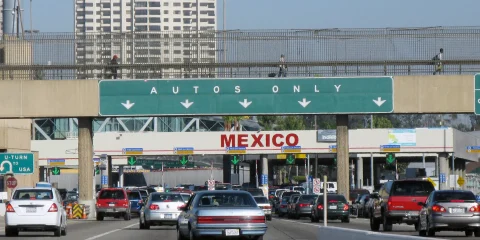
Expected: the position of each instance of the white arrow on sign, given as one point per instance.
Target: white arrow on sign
(304, 103)
(379, 101)
(128, 104)
(186, 104)
(245, 103)
(5, 162)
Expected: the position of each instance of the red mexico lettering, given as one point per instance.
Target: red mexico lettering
(227, 141)
(291, 139)
(257, 140)
(274, 140)
(242, 140)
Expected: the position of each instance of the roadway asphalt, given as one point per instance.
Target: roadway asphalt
(113, 229)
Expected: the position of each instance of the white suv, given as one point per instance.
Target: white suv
(35, 209)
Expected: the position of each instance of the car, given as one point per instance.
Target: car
(303, 206)
(264, 204)
(35, 209)
(113, 202)
(398, 203)
(291, 205)
(161, 209)
(185, 196)
(135, 198)
(283, 206)
(450, 210)
(255, 192)
(221, 213)
(337, 208)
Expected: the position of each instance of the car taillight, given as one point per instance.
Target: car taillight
(10, 208)
(304, 205)
(389, 204)
(457, 201)
(181, 206)
(475, 209)
(267, 207)
(345, 207)
(154, 207)
(53, 208)
(437, 208)
(320, 207)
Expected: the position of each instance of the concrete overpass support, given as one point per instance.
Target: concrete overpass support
(109, 171)
(444, 169)
(120, 176)
(264, 162)
(343, 156)
(227, 169)
(359, 172)
(85, 164)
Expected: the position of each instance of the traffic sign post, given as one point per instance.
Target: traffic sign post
(342, 95)
(16, 163)
(442, 178)
(211, 185)
(316, 186)
(11, 182)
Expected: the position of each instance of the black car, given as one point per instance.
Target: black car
(337, 208)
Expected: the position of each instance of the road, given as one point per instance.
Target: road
(278, 229)
(113, 229)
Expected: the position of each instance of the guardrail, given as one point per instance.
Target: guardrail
(354, 234)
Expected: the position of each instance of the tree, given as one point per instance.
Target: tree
(268, 122)
(235, 120)
(382, 122)
(292, 122)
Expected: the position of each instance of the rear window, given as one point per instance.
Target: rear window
(112, 194)
(261, 200)
(167, 198)
(226, 200)
(307, 198)
(449, 196)
(335, 198)
(133, 196)
(288, 194)
(411, 188)
(33, 194)
(299, 189)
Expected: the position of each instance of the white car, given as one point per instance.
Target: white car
(35, 210)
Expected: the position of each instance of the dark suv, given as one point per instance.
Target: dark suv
(113, 202)
(398, 203)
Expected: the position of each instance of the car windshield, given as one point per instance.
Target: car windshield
(112, 194)
(71, 196)
(226, 200)
(261, 199)
(167, 198)
(455, 196)
(307, 198)
(411, 188)
(33, 194)
(288, 194)
(134, 196)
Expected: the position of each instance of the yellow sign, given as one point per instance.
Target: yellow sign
(433, 182)
(297, 156)
(460, 181)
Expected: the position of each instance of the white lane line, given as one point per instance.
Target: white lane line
(309, 224)
(110, 232)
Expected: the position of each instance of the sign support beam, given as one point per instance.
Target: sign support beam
(85, 163)
(343, 156)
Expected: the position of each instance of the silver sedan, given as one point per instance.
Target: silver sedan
(161, 209)
(450, 210)
(222, 213)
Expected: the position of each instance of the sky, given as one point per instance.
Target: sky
(57, 15)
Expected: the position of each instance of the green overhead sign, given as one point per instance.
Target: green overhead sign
(277, 96)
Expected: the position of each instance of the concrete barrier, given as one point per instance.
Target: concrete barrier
(353, 234)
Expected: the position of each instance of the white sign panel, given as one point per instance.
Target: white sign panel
(211, 185)
(402, 137)
(317, 186)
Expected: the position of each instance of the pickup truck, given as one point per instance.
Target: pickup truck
(397, 202)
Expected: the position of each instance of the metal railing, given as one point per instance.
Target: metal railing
(240, 53)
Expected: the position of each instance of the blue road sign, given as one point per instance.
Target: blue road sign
(56, 162)
(264, 179)
(310, 179)
(132, 151)
(104, 180)
(443, 178)
(473, 149)
(183, 150)
(291, 149)
(236, 150)
(16, 163)
(390, 148)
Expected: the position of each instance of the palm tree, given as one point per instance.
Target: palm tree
(228, 120)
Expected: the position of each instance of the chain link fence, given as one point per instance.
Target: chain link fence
(240, 53)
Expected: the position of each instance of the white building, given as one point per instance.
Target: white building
(164, 32)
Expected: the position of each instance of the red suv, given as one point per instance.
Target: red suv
(398, 203)
(113, 202)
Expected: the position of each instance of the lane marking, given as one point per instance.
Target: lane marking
(309, 224)
(110, 232)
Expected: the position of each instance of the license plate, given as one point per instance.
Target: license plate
(232, 232)
(332, 207)
(413, 213)
(111, 205)
(458, 210)
(31, 209)
(169, 216)
(110, 210)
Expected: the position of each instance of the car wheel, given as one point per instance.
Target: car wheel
(11, 232)
(64, 230)
(99, 217)
(269, 218)
(127, 216)
(179, 235)
(430, 231)
(258, 237)
(416, 226)
(346, 220)
(477, 233)
(374, 223)
(387, 224)
(142, 225)
(468, 233)
(147, 224)
(58, 232)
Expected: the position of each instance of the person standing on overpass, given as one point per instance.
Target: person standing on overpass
(283, 67)
(438, 62)
(114, 67)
